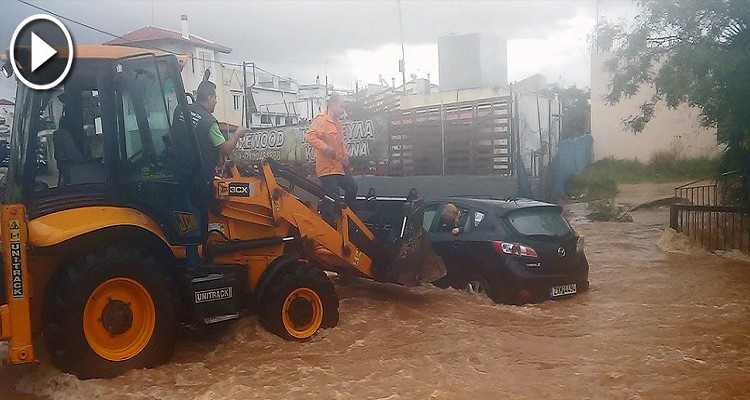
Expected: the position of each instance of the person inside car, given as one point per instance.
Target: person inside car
(453, 219)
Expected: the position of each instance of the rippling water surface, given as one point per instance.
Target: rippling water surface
(662, 320)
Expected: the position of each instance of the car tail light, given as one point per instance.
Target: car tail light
(580, 244)
(514, 249)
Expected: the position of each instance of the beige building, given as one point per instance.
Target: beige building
(670, 130)
(272, 100)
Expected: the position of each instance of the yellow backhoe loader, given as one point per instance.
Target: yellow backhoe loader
(100, 202)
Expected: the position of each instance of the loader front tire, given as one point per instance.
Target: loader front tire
(299, 302)
(109, 312)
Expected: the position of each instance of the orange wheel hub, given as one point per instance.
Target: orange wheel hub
(302, 313)
(119, 319)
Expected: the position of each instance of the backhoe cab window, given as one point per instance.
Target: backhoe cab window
(69, 143)
(149, 119)
(144, 97)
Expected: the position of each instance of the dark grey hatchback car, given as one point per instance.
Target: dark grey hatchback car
(513, 251)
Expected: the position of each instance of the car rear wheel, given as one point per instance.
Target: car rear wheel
(477, 284)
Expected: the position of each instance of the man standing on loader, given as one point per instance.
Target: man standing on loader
(326, 136)
(211, 140)
(213, 145)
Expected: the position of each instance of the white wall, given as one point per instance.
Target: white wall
(538, 130)
(312, 101)
(228, 79)
(669, 130)
(229, 84)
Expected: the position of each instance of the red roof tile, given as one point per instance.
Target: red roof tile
(152, 33)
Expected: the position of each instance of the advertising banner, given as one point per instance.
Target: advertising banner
(366, 139)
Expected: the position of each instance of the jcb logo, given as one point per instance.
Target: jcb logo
(186, 222)
(223, 189)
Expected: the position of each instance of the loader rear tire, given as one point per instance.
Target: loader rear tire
(109, 312)
(298, 303)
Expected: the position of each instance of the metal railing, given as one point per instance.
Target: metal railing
(703, 192)
(716, 226)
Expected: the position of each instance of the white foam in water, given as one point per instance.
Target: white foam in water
(673, 242)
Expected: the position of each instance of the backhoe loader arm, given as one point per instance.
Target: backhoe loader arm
(407, 259)
(334, 248)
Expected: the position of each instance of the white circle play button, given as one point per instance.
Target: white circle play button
(41, 52)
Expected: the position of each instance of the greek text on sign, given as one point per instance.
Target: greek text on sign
(205, 296)
(16, 268)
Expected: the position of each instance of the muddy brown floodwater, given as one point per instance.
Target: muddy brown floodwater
(656, 324)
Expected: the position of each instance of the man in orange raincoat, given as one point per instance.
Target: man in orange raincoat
(326, 136)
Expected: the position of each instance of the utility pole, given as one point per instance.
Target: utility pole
(244, 93)
(402, 62)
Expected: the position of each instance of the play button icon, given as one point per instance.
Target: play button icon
(41, 51)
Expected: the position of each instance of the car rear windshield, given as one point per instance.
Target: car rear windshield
(539, 221)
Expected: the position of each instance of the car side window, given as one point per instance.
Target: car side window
(430, 211)
(444, 222)
(480, 222)
(478, 217)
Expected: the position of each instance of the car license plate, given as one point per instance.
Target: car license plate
(557, 291)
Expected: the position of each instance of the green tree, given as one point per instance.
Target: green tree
(576, 109)
(694, 52)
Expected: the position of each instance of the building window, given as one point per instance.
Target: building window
(279, 120)
(205, 61)
(265, 119)
(237, 100)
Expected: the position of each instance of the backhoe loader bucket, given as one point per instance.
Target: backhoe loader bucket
(406, 255)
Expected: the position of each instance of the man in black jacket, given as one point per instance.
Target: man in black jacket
(211, 140)
(214, 146)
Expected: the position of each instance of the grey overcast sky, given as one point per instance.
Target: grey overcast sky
(351, 40)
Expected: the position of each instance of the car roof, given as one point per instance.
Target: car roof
(500, 206)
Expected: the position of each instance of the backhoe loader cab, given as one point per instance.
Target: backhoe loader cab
(101, 199)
